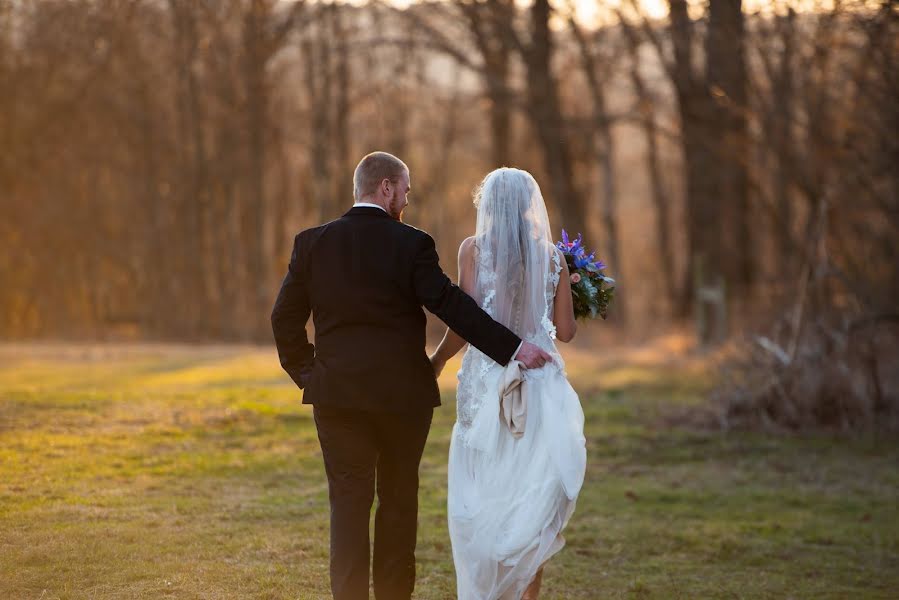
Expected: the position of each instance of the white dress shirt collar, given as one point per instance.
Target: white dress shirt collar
(368, 205)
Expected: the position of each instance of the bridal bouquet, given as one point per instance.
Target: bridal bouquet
(590, 288)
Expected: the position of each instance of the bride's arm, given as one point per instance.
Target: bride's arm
(452, 342)
(563, 307)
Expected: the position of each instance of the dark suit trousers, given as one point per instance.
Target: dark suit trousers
(363, 452)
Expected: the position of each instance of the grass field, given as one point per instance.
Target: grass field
(179, 472)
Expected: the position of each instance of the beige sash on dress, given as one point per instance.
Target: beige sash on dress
(513, 406)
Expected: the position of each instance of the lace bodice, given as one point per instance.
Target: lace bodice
(479, 374)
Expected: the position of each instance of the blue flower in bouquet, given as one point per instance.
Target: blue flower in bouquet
(582, 261)
(579, 254)
(570, 247)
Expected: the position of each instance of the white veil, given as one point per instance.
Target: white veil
(515, 250)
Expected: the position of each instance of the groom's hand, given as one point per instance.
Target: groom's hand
(532, 356)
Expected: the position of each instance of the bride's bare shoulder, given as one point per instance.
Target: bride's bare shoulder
(467, 247)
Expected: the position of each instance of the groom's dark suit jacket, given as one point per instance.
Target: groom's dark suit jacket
(364, 277)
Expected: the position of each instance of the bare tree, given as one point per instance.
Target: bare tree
(545, 111)
(597, 73)
(727, 81)
(483, 18)
(154, 148)
(264, 33)
(659, 193)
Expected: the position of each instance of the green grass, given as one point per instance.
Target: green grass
(173, 472)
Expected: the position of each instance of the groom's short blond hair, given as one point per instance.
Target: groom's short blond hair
(372, 170)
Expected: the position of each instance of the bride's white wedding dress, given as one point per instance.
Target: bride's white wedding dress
(510, 498)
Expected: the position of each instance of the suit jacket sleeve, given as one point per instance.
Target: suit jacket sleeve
(289, 316)
(457, 309)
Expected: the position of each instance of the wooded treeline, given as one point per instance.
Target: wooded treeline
(156, 157)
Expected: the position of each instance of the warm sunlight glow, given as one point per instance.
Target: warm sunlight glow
(596, 13)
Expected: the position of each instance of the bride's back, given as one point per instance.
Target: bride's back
(516, 265)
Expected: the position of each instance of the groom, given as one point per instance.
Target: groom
(364, 278)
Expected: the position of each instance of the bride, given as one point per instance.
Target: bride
(510, 495)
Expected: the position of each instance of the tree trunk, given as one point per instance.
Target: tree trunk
(783, 115)
(726, 75)
(317, 53)
(193, 184)
(673, 296)
(703, 217)
(603, 146)
(545, 113)
(256, 55)
(482, 22)
(342, 176)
